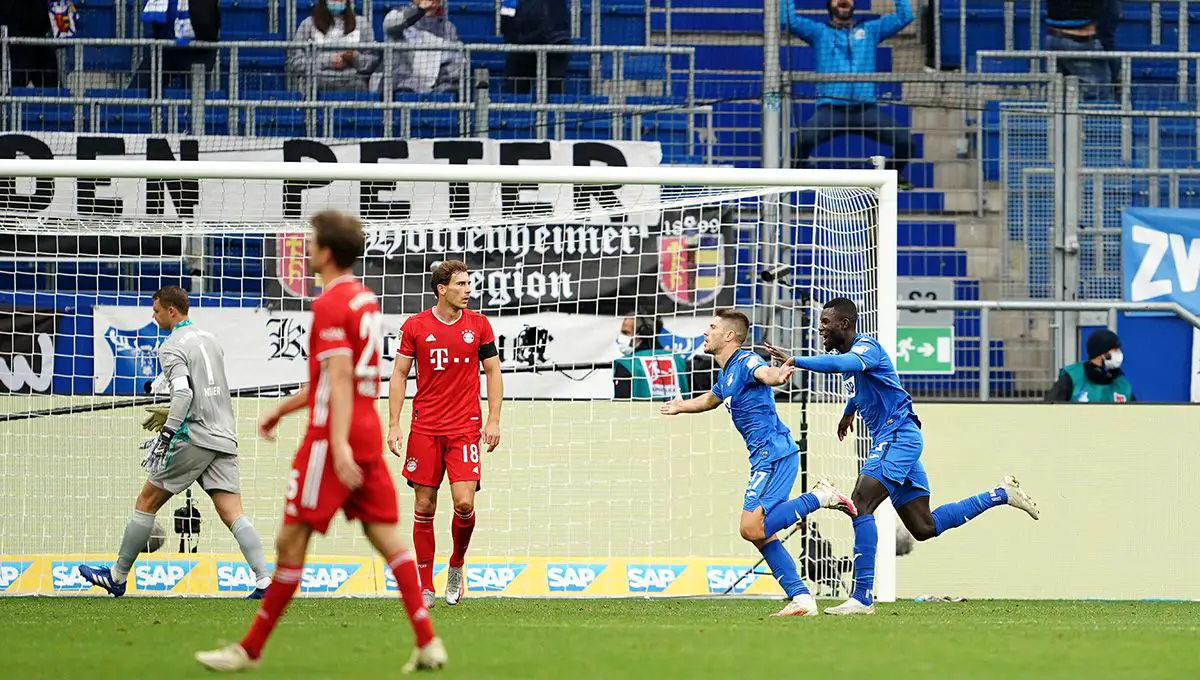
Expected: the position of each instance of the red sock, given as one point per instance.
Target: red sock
(404, 568)
(423, 542)
(283, 586)
(461, 528)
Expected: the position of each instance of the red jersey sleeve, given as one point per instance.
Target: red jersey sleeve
(328, 334)
(408, 338)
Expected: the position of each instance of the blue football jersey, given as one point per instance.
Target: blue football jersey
(751, 404)
(877, 394)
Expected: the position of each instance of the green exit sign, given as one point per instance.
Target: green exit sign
(924, 350)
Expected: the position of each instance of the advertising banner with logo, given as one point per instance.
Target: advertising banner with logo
(27, 338)
(229, 576)
(1161, 256)
(267, 348)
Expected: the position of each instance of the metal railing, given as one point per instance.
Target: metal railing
(986, 307)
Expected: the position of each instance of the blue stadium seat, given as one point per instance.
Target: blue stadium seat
(354, 122)
(39, 117)
(520, 124)
(582, 124)
(281, 121)
(119, 118)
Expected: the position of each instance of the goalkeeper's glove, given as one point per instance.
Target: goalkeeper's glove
(156, 419)
(156, 450)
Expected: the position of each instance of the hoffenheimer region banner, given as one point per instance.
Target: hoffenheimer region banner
(555, 291)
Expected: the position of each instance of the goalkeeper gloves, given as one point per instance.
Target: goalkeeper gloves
(156, 419)
(156, 450)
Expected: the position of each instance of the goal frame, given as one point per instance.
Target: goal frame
(883, 181)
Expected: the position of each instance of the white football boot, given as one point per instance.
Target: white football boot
(429, 598)
(1018, 498)
(228, 659)
(801, 605)
(455, 585)
(833, 499)
(851, 607)
(431, 657)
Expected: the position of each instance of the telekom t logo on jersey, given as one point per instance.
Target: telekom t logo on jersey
(440, 356)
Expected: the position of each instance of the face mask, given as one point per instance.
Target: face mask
(1113, 362)
(336, 8)
(625, 344)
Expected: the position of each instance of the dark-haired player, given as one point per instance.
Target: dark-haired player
(893, 468)
(744, 386)
(447, 343)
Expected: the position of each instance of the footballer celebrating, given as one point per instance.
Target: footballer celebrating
(448, 343)
(340, 464)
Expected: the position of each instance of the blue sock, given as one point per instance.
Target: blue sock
(951, 515)
(866, 540)
(783, 568)
(786, 514)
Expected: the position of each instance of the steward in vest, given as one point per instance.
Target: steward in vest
(1100, 378)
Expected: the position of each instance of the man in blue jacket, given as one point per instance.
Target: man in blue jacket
(846, 46)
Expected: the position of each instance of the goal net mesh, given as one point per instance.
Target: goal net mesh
(591, 491)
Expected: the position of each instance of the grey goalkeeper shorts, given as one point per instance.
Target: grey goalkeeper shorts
(214, 470)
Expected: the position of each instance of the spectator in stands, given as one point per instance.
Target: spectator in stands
(646, 370)
(535, 22)
(196, 20)
(32, 65)
(1071, 26)
(333, 61)
(423, 23)
(846, 46)
(1100, 378)
(1106, 33)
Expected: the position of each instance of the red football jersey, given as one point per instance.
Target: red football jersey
(346, 320)
(448, 357)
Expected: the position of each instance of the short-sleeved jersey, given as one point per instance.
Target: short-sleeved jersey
(447, 356)
(346, 321)
(751, 404)
(877, 393)
(194, 357)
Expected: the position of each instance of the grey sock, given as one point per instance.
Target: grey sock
(251, 546)
(137, 534)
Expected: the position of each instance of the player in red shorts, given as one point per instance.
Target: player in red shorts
(340, 464)
(447, 342)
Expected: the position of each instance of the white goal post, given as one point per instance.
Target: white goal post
(592, 493)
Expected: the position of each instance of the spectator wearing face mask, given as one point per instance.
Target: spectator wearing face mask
(645, 370)
(335, 63)
(1100, 378)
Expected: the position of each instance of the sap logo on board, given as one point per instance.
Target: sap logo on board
(326, 578)
(492, 578)
(389, 579)
(721, 577)
(161, 576)
(652, 578)
(237, 576)
(571, 578)
(10, 572)
(65, 575)
(1184, 261)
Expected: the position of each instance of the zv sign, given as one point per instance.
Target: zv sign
(1161, 254)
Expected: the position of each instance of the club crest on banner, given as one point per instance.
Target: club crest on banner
(689, 267)
(135, 357)
(291, 262)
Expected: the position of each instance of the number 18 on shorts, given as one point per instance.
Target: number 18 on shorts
(429, 457)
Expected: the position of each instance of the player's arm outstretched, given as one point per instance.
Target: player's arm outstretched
(270, 420)
(495, 397)
(401, 367)
(705, 402)
(825, 363)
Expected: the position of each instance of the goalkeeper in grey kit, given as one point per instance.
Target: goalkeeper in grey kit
(197, 441)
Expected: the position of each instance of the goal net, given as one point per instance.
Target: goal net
(591, 492)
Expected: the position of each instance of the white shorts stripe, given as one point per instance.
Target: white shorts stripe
(320, 412)
(312, 475)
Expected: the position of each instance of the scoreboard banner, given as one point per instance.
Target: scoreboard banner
(325, 576)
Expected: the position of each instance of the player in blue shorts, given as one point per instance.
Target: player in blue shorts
(893, 467)
(744, 386)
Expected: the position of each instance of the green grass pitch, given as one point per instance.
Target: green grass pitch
(573, 639)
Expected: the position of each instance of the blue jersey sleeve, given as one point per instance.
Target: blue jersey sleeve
(716, 388)
(748, 367)
(870, 353)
